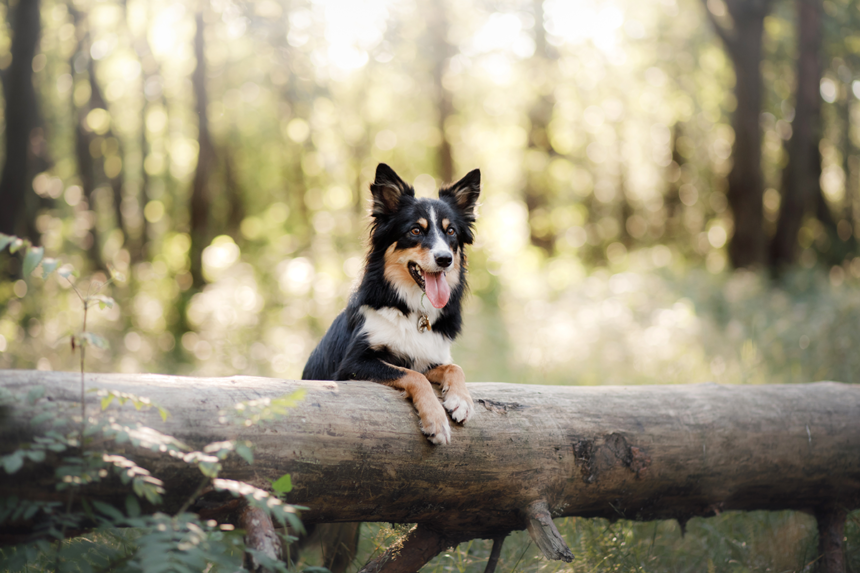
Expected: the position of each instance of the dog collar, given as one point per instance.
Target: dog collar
(423, 321)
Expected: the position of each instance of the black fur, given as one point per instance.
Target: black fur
(344, 352)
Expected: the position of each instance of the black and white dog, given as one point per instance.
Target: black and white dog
(399, 324)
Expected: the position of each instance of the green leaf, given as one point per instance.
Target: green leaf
(209, 469)
(104, 301)
(108, 510)
(132, 506)
(16, 245)
(283, 484)
(92, 339)
(42, 418)
(13, 462)
(34, 394)
(67, 271)
(37, 456)
(31, 259)
(106, 401)
(48, 266)
(245, 452)
(163, 413)
(5, 240)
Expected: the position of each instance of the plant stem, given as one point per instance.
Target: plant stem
(83, 387)
(194, 496)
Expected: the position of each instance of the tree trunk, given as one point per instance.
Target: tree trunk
(743, 43)
(355, 452)
(848, 168)
(200, 191)
(438, 26)
(800, 182)
(21, 116)
(747, 247)
(541, 233)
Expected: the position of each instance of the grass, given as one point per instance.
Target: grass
(774, 542)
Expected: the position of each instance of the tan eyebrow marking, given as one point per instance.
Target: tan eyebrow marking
(445, 223)
(423, 222)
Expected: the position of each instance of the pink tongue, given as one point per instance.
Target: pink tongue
(437, 289)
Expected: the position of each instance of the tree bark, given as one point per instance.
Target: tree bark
(743, 43)
(831, 531)
(200, 190)
(21, 116)
(800, 182)
(355, 452)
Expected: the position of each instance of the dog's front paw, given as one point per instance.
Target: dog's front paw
(434, 424)
(460, 405)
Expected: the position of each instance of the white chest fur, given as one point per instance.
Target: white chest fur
(388, 327)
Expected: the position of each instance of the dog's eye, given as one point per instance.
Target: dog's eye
(451, 231)
(415, 231)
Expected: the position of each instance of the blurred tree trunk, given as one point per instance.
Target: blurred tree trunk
(236, 206)
(801, 190)
(743, 43)
(200, 191)
(845, 227)
(149, 71)
(21, 117)
(625, 209)
(84, 138)
(438, 26)
(672, 200)
(117, 180)
(541, 234)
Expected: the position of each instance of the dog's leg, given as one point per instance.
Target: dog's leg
(453, 382)
(434, 422)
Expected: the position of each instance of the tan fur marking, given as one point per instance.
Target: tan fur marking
(423, 222)
(452, 380)
(396, 270)
(448, 376)
(445, 223)
(434, 421)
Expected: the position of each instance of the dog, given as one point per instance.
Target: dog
(399, 324)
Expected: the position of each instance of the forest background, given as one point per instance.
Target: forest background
(670, 188)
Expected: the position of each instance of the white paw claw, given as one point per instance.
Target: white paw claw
(439, 434)
(460, 407)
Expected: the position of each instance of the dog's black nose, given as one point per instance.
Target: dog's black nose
(444, 260)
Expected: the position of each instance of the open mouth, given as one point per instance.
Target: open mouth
(417, 274)
(434, 285)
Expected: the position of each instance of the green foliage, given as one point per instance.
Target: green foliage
(283, 484)
(261, 410)
(181, 542)
(162, 542)
(139, 402)
(730, 542)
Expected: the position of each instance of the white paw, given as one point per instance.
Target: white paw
(460, 407)
(437, 431)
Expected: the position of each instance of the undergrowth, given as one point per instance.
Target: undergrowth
(69, 529)
(733, 542)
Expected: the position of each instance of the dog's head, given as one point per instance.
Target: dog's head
(423, 238)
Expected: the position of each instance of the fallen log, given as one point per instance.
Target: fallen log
(531, 452)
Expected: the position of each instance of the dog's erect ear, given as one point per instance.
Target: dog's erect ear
(464, 193)
(388, 189)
